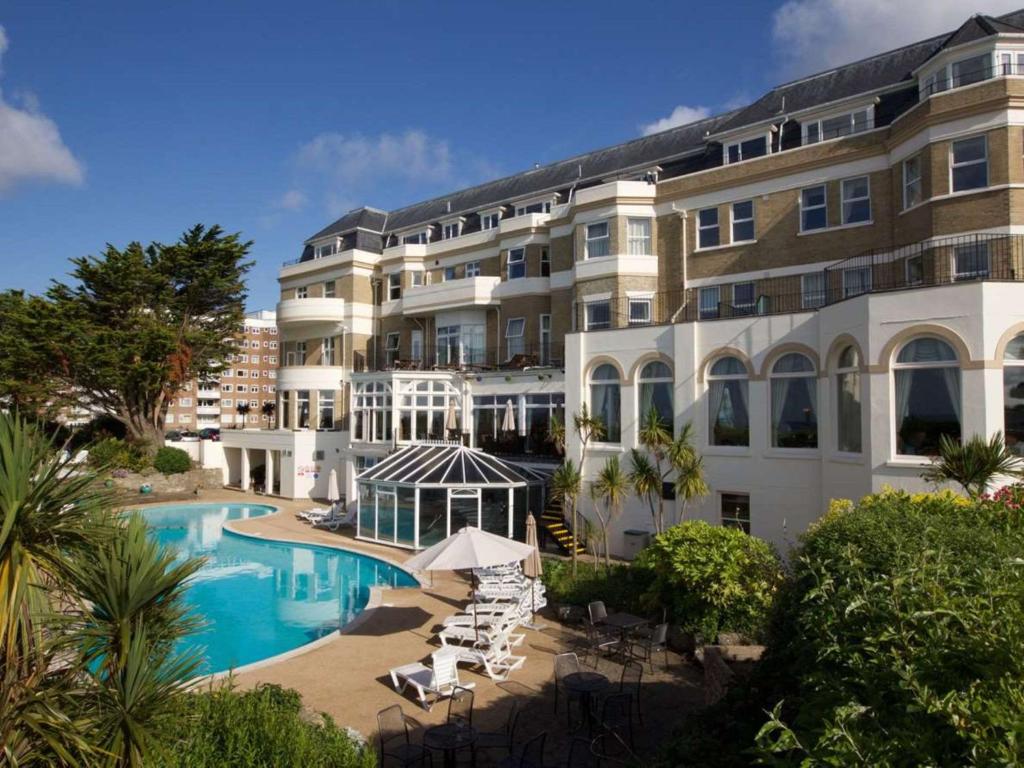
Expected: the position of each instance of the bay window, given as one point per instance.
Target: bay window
(598, 240)
(638, 239)
(516, 262)
(515, 336)
(969, 164)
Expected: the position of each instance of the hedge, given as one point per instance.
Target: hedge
(172, 461)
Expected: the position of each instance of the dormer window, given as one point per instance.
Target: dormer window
(451, 229)
(967, 71)
(746, 150)
(837, 126)
(533, 206)
(489, 219)
(416, 238)
(327, 249)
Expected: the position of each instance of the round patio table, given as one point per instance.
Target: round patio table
(586, 685)
(449, 738)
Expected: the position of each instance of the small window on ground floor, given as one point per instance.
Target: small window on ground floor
(736, 511)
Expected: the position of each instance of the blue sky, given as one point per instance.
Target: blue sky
(127, 120)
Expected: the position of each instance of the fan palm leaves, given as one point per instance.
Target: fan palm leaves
(567, 482)
(611, 489)
(974, 464)
(688, 466)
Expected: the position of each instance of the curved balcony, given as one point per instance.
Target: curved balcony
(453, 294)
(310, 377)
(312, 310)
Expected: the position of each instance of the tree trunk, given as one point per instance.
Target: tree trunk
(143, 432)
(575, 528)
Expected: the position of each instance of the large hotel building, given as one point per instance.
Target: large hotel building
(822, 282)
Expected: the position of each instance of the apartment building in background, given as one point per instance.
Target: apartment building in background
(249, 377)
(821, 282)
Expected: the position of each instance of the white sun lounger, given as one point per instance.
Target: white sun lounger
(437, 680)
(337, 518)
(316, 513)
(459, 634)
(497, 663)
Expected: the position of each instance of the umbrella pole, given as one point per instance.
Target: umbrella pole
(472, 599)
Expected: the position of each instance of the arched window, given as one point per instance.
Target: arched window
(848, 401)
(1013, 394)
(927, 382)
(656, 392)
(606, 401)
(728, 396)
(794, 402)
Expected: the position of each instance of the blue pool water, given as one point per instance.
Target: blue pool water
(261, 598)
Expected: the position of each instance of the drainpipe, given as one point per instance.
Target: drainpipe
(682, 213)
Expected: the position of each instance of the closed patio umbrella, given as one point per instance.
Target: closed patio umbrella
(451, 423)
(469, 548)
(508, 424)
(532, 566)
(333, 492)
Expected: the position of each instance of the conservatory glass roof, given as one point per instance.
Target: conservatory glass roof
(448, 465)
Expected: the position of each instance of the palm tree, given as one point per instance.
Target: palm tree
(973, 464)
(268, 409)
(688, 466)
(556, 433)
(243, 409)
(567, 483)
(647, 479)
(611, 489)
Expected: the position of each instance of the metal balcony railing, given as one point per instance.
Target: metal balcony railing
(455, 358)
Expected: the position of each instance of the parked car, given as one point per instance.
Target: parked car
(210, 433)
(188, 436)
(172, 436)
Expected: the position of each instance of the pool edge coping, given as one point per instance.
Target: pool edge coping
(375, 601)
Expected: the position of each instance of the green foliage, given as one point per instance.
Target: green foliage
(711, 578)
(132, 325)
(663, 456)
(610, 491)
(261, 728)
(897, 640)
(172, 461)
(619, 586)
(112, 453)
(974, 463)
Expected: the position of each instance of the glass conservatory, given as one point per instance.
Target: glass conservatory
(423, 493)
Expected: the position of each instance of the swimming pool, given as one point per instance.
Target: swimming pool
(261, 598)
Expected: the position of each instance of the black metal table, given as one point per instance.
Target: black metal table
(586, 685)
(624, 623)
(449, 738)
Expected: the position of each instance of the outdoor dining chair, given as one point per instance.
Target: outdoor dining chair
(565, 664)
(630, 683)
(644, 648)
(460, 706)
(395, 742)
(502, 739)
(530, 755)
(597, 612)
(617, 716)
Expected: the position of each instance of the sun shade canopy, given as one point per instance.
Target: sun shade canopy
(447, 466)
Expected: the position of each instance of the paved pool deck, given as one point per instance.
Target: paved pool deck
(346, 674)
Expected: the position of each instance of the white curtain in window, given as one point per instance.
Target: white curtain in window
(951, 377)
(904, 383)
(780, 396)
(849, 412)
(605, 399)
(715, 394)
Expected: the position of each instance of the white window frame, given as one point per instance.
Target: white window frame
(519, 262)
(917, 182)
(738, 144)
(813, 298)
(451, 229)
(639, 245)
(589, 242)
(806, 208)
(702, 227)
(861, 287)
(416, 278)
(327, 349)
(472, 269)
(819, 125)
(394, 286)
(843, 200)
(953, 165)
(518, 347)
(545, 262)
(490, 219)
(421, 237)
(646, 301)
(445, 272)
(733, 221)
(587, 305)
(983, 274)
(302, 292)
(330, 289)
(544, 337)
(733, 521)
(709, 291)
(324, 250)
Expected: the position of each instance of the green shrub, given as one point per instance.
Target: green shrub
(171, 461)
(261, 728)
(898, 639)
(113, 453)
(711, 578)
(619, 586)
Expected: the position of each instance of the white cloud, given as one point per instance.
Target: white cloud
(387, 170)
(292, 200)
(31, 148)
(815, 35)
(681, 115)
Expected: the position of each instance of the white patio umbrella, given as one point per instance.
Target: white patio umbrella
(333, 492)
(451, 424)
(508, 424)
(532, 566)
(469, 548)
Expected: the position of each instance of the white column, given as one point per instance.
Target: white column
(269, 467)
(244, 482)
(511, 510)
(416, 518)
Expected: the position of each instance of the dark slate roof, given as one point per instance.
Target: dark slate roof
(875, 73)
(639, 153)
(362, 218)
(880, 72)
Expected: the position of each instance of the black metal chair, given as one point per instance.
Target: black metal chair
(565, 664)
(394, 740)
(503, 739)
(631, 682)
(597, 612)
(644, 648)
(617, 716)
(460, 706)
(601, 641)
(530, 755)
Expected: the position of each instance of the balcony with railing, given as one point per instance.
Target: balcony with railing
(310, 310)
(944, 261)
(451, 294)
(463, 359)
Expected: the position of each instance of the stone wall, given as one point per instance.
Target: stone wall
(722, 664)
(182, 484)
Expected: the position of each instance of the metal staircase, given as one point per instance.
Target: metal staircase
(559, 529)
